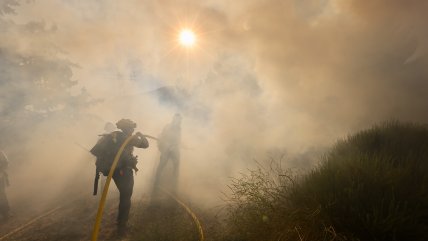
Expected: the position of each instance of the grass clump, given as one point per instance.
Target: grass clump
(371, 186)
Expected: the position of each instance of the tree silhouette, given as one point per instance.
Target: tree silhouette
(34, 84)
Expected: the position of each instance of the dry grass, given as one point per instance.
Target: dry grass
(371, 186)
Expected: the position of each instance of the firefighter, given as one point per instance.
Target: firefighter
(123, 176)
(4, 182)
(169, 142)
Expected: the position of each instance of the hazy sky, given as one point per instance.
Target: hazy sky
(264, 77)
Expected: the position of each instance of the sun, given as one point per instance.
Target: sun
(187, 38)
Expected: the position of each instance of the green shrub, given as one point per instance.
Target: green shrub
(371, 186)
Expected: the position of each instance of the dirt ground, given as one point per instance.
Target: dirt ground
(73, 220)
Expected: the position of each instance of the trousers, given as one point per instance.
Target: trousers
(165, 157)
(124, 180)
(4, 204)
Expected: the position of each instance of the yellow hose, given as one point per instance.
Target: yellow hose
(192, 214)
(105, 190)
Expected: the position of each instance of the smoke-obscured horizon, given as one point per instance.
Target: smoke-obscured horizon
(266, 79)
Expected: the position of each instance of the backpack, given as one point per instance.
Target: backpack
(105, 150)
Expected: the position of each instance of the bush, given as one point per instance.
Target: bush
(371, 186)
(254, 203)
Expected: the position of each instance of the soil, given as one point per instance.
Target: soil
(73, 220)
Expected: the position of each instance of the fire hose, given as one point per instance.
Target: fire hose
(105, 191)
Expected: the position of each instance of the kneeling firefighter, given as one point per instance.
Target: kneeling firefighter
(105, 150)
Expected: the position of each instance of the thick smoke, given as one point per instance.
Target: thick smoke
(267, 79)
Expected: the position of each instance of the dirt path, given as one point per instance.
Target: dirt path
(73, 220)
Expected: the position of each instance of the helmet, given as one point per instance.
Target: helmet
(126, 124)
(176, 120)
(109, 127)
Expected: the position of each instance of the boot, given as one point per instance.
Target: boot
(122, 229)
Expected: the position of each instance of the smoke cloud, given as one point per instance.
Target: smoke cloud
(266, 79)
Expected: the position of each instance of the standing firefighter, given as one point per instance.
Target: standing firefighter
(169, 146)
(4, 182)
(105, 150)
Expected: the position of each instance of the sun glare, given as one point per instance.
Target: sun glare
(187, 38)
